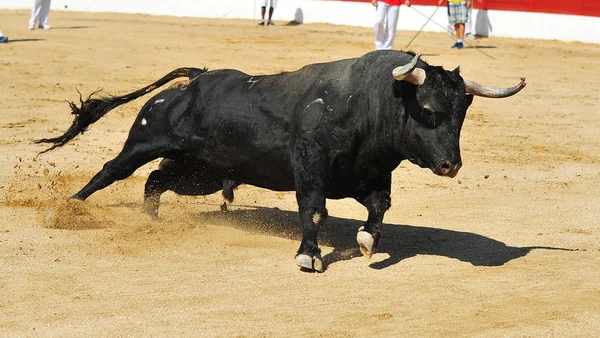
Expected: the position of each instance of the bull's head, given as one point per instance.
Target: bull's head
(436, 114)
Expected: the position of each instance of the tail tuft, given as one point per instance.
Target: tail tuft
(93, 108)
(90, 111)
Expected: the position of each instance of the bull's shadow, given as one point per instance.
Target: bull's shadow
(23, 40)
(73, 27)
(398, 241)
(480, 47)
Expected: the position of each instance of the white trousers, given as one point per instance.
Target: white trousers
(386, 20)
(469, 23)
(39, 12)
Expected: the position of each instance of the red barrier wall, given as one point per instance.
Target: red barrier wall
(575, 7)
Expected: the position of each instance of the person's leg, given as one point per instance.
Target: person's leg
(392, 23)
(263, 10)
(457, 15)
(460, 31)
(461, 19)
(469, 23)
(380, 29)
(35, 13)
(44, 12)
(271, 9)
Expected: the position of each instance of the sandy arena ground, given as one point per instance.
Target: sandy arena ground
(510, 247)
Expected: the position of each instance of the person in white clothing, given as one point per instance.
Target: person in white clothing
(386, 21)
(2, 37)
(469, 33)
(469, 25)
(39, 14)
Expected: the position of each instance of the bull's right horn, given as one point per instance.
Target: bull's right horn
(409, 72)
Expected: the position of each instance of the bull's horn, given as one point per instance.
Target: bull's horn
(481, 90)
(409, 72)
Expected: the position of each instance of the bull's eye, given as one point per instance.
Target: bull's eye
(429, 118)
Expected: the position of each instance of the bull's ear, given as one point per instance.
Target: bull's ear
(469, 99)
(456, 71)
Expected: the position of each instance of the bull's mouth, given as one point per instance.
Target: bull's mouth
(444, 168)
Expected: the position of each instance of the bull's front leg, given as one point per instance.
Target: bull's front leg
(377, 203)
(309, 254)
(311, 176)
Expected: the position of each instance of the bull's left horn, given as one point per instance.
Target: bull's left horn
(481, 90)
(409, 72)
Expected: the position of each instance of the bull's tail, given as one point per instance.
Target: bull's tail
(93, 108)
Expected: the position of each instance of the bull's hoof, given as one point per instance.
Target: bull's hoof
(151, 211)
(366, 242)
(309, 263)
(224, 207)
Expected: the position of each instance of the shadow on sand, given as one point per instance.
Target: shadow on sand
(23, 40)
(398, 241)
(480, 47)
(73, 27)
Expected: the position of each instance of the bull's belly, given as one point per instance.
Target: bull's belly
(278, 177)
(269, 171)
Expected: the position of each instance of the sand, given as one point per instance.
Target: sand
(510, 247)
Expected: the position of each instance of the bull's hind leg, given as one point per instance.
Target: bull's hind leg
(228, 186)
(133, 156)
(184, 177)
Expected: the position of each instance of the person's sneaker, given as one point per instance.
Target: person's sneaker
(469, 37)
(458, 45)
(270, 23)
(261, 23)
(3, 39)
(31, 27)
(45, 26)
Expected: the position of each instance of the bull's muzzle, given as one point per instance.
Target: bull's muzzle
(447, 168)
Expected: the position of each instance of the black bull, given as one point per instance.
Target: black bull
(329, 130)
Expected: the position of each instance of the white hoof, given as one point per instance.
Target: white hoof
(304, 261)
(317, 264)
(310, 263)
(366, 241)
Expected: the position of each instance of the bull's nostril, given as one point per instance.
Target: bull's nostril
(448, 168)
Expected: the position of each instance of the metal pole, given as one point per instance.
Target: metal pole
(426, 22)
